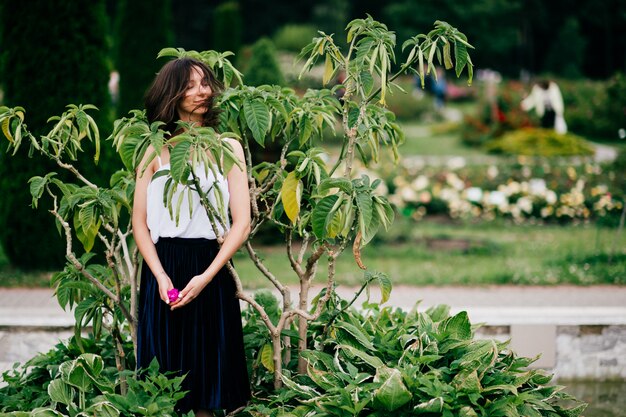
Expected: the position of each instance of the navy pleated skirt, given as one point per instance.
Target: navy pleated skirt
(203, 339)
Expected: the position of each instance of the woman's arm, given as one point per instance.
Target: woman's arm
(141, 233)
(240, 228)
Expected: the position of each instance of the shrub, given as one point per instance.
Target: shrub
(142, 30)
(294, 37)
(540, 142)
(47, 66)
(227, 27)
(381, 361)
(263, 67)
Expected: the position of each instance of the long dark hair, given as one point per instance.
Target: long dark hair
(168, 89)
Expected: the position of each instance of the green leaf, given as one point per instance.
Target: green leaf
(343, 184)
(351, 352)
(446, 55)
(103, 409)
(79, 378)
(362, 338)
(392, 394)
(291, 195)
(45, 412)
(460, 57)
(321, 214)
(458, 326)
(434, 405)
(306, 129)
(364, 203)
(385, 285)
(267, 357)
(60, 392)
(257, 117)
(179, 161)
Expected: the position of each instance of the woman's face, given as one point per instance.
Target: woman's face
(193, 104)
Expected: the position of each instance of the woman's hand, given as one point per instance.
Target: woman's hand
(191, 291)
(165, 284)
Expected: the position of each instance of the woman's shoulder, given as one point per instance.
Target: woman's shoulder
(235, 144)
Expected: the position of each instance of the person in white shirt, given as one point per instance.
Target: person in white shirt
(545, 97)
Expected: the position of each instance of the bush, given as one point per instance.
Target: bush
(294, 37)
(47, 66)
(540, 142)
(227, 27)
(262, 68)
(382, 362)
(143, 28)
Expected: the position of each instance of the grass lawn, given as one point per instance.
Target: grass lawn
(466, 254)
(435, 253)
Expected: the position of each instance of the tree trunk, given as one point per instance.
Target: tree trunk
(277, 358)
(303, 324)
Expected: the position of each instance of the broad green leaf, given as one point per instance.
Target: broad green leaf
(468, 411)
(447, 59)
(102, 409)
(343, 184)
(306, 129)
(46, 412)
(392, 394)
(364, 204)
(257, 118)
(5, 129)
(362, 338)
(60, 392)
(328, 70)
(458, 326)
(94, 363)
(179, 161)
(351, 352)
(434, 405)
(79, 378)
(320, 214)
(385, 285)
(291, 194)
(267, 357)
(460, 57)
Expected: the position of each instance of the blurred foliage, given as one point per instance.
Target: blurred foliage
(496, 116)
(567, 51)
(294, 37)
(137, 44)
(227, 27)
(47, 67)
(595, 109)
(262, 68)
(540, 142)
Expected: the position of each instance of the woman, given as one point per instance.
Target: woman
(198, 333)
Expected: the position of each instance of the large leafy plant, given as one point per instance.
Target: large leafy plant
(320, 209)
(380, 361)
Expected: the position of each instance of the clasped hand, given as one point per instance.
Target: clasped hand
(193, 288)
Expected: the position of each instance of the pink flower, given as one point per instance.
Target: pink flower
(172, 295)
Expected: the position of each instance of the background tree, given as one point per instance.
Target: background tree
(142, 29)
(55, 53)
(567, 50)
(227, 27)
(263, 67)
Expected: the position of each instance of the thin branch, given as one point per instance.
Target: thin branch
(304, 247)
(295, 265)
(261, 267)
(74, 171)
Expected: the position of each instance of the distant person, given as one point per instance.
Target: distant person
(439, 88)
(545, 97)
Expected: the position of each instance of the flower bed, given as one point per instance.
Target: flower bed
(525, 190)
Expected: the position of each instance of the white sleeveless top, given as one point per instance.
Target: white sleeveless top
(161, 224)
